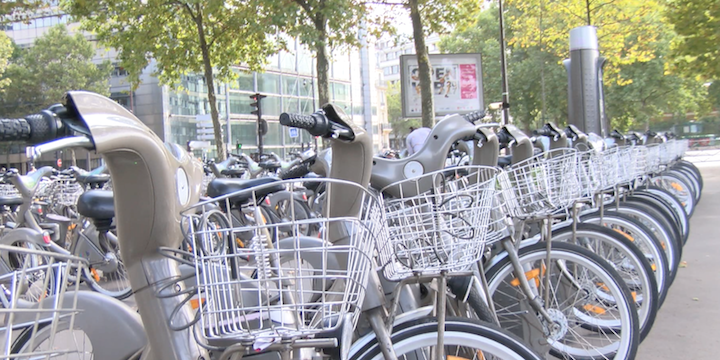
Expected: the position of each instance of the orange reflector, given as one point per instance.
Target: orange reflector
(596, 309)
(530, 275)
(624, 234)
(239, 242)
(195, 303)
(676, 186)
(95, 275)
(663, 245)
(603, 286)
(653, 267)
(634, 295)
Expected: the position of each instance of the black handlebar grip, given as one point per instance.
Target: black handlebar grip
(543, 132)
(503, 137)
(316, 124)
(474, 116)
(296, 172)
(14, 130)
(34, 129)
(297, 120)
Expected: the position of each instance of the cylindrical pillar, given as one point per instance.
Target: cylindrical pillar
(585, 84)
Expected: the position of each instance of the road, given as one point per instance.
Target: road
(688, 324)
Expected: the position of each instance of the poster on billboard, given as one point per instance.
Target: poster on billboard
(456, 82)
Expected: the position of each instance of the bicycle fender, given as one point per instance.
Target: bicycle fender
(23, 234)
(114, 329)
(399, 319)
(278, 196)
(503, 254)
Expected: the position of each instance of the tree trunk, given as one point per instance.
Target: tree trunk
(426, 90)
(323, 71)
(210, 84)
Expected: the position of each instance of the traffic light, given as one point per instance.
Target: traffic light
(257, 105)
(238, 146)
(261, 124)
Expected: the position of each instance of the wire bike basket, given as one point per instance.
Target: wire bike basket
(541, 184)
(65, 190)
(265, 278)
(437, 222)
(35, 296)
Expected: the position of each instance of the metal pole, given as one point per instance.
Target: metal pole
(227, 117)
(503, 68)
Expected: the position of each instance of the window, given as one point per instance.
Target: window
(244, 81)
(268, 83)
(287, 61)
(119, 71)
(305, 86)
(121, 98)
(387, 70)
(340, 92)
(396, 69)
(240, 103)
(290, 85)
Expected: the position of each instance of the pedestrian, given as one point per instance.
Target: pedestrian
(416, 139)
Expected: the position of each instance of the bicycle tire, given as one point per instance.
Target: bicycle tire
(626, 345)
(643, 286)
(640, 233)
(661, 195)
(411, 336)
(471, 295)
(666, 214)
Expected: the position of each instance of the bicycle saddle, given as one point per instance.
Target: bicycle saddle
(10, 201)
(96, 204)
(233, 172)
(269, 165)
(220, 187)
(93, 179)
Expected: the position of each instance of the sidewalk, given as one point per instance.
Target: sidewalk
(688, 324)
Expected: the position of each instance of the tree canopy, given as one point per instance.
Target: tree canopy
(538, 81)
(6, 50)
(57, 62)
(696, 50)
(183, 37)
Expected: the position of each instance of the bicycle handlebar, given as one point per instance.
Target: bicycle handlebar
(296, 172)
(33, 129)
(326, 123)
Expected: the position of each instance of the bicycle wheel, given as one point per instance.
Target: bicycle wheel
(661, 197)
(653, 220)
(108, 276)
(580, 283)
(679, 188)
(627, 259)
(75, 343)
(464, 339)
(643, 238)
(693, 181)
(684, 164)
(38, 284)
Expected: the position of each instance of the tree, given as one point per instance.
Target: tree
(400, 127)
(6, 51)
(696, 50)
(19, 10)
(323, 25)
(57, 62)
(524, 76)
(627, 29)
(182, 37)
(432, 16)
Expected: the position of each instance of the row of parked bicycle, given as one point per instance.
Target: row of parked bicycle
(563, 247)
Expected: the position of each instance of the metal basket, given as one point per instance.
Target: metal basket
(437, 222)
(632, 163)
(8, 190)
(293, 277)
(590, 171)
(35, 298)
(65, 190)
(542, 184)
(611, 162)
(653, 161)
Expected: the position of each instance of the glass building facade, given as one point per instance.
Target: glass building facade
(288, 83)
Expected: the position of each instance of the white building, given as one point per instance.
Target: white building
(388, 54)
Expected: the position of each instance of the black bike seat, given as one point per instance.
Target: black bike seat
(232, 172)
(93, 179)
(312, 185)
(269, 165)
(96, 204)
(10, 200)
(220, 187)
